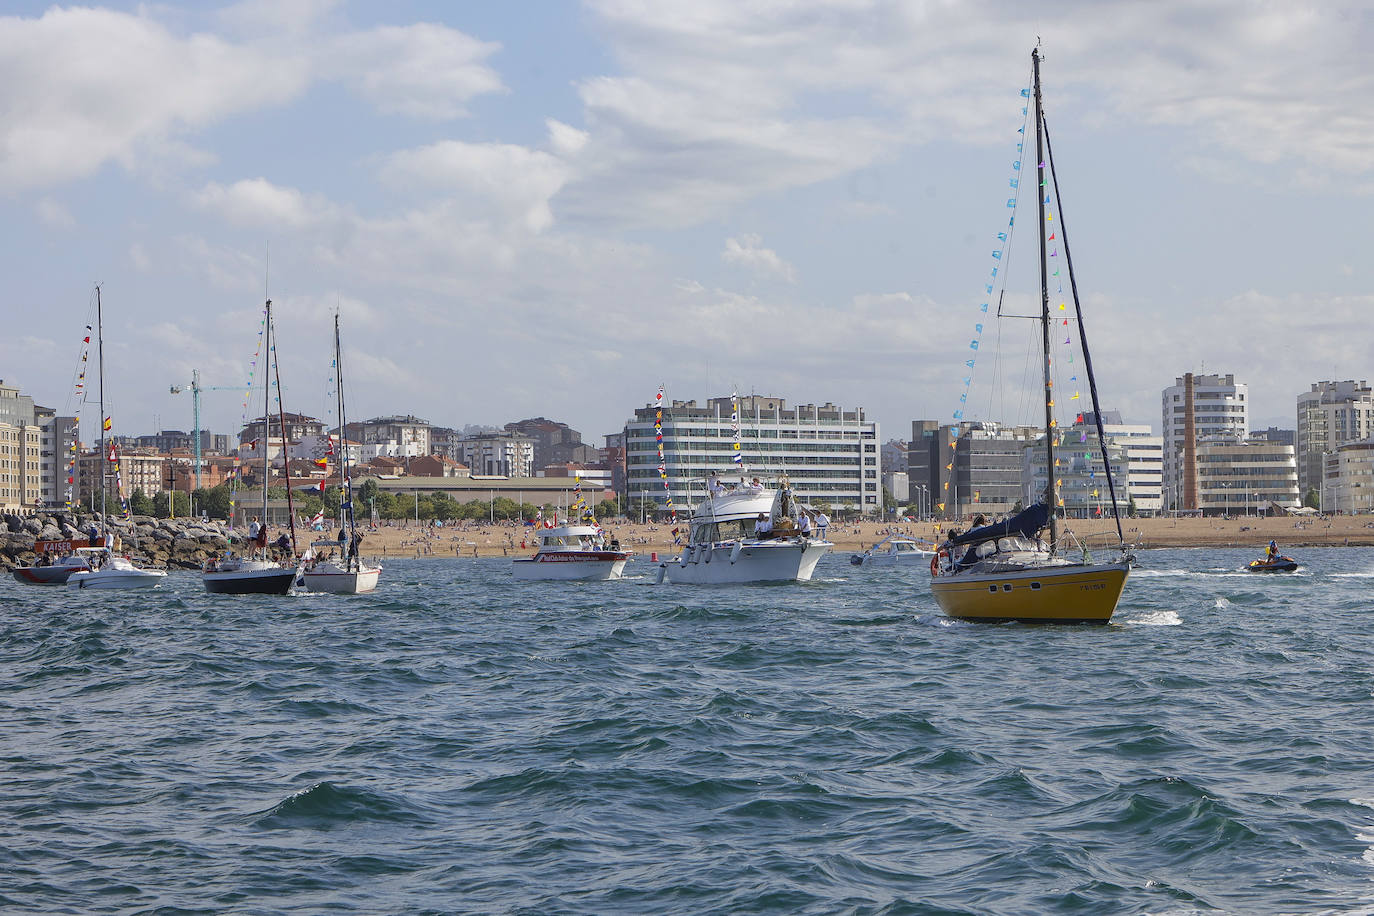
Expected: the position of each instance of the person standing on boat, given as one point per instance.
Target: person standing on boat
(804, 525)
(763, 527)
(822, 523)
(253, 528)
(715, 486)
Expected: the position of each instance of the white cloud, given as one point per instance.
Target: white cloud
(500, 182)
(258, 203)
(85, 86)
(424, 71)
(747, 251)
(82, 87)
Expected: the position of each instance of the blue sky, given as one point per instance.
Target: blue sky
(554, 208)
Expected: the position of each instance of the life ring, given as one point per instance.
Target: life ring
(942, 554)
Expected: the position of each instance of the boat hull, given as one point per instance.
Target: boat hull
(1052, 594)
(249, 582)
(336, 581)
(44, 575)
(1283, 564)
(571, 566)
(116, 578)
(757, 561)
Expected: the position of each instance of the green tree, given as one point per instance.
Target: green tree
(607, 508)
(140, 504)
(505, 508)
(214, 501)
(1313, 500)
(1130, 508)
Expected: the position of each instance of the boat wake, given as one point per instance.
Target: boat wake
(1155, 619)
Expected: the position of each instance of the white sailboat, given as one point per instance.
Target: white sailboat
(104, 569)
(256, 573)
(347, 573)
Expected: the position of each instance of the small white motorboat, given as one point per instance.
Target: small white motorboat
(572, 552)
(111, 571)
(892, 550)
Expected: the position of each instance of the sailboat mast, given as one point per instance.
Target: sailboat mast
(344, 495)
(285, 446)
(100, 373)
(266, 409)
(1040, 192)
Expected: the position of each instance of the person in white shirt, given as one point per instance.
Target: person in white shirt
(715, 486)
(822, 522)
(804, 525)
(763, 528)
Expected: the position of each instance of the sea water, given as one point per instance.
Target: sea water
(459, 742)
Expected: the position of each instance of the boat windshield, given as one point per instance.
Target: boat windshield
(723, 531)
(904, 547)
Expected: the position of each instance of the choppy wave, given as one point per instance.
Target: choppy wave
(458, 742)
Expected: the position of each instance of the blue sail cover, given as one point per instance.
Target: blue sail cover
(1027, 524)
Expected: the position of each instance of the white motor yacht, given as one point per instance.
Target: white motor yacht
(747, 533)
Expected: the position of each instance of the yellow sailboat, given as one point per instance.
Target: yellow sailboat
(1007, 571)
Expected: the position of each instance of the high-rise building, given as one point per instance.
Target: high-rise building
(1197, 408)
(1348, 485)
(395, 437)
(829, 454)
(498, 455)
(968, 467)
(57, 456)
(1330, 414)
(20, 451)
(1080, 474)
(1245, 477)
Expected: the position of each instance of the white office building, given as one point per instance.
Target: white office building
(1330, 414)
(498, 455)
(1348, 487)
(1235, 478)
(1197, 408)
(829, 454)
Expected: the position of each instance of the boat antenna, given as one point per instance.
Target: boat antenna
(1083, 341)
(1050, 499)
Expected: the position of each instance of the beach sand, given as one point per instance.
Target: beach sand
(467, 539)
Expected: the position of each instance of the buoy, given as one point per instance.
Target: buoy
(653, 557)
(734, 552)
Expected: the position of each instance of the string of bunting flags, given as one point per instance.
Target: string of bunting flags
(662, 462)
(80, 395)
(991, 283)
(236, 473)
(734, 429)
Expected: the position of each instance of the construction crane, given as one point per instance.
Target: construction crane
(196, 388)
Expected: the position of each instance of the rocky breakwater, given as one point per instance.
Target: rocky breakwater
(175, 544)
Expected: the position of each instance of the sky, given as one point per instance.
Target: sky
(554, 208)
